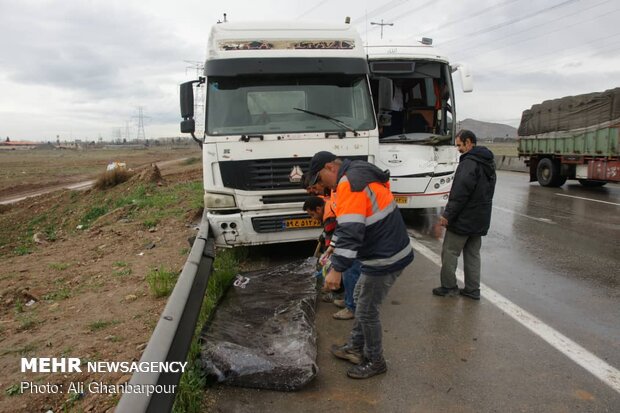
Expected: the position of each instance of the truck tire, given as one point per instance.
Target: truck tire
(548, 173)
(588, 183)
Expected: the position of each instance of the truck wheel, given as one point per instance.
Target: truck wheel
(588, 183)
(548, 173)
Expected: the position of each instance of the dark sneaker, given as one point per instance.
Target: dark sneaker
(473, 294)
(367, 369)
(446, 292)
(346, 352)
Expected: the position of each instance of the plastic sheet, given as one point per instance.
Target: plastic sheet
(592, 110)
(262, 334)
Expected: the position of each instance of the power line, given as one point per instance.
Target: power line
(530, 28)
(509, 22)
(538, 62)
(537, 36)
(310, 10)
(383, 8)
(462, 19)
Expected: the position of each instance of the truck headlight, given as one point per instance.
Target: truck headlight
(215, 201)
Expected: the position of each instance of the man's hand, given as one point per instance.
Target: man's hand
(332, 281)
(443, 221)
(326, 255)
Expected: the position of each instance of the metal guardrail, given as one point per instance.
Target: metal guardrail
(173, 334)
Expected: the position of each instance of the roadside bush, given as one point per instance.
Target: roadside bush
(112, 178)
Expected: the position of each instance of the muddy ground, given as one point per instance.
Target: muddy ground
(71, 291)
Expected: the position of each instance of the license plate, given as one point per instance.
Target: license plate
(301, 223)
(401, 200)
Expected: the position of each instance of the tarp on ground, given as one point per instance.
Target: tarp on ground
(592, 110)
(263, 334)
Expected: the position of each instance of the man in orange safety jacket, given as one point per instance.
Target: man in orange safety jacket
(369, 229)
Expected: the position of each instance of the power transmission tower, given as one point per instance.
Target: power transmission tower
(141, 134)
(381, 24)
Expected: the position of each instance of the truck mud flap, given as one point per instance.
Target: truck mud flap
(262, 334)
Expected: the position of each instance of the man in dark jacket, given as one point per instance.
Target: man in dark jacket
(467, 216)
(369, 229)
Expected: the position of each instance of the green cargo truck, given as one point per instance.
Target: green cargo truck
(574, 137)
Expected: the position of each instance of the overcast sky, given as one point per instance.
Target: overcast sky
(81, 69)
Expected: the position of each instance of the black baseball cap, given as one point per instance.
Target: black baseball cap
(317, 163)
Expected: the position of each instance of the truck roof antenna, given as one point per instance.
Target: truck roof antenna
(223, 21)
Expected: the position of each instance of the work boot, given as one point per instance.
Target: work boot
(339, 303)
(344, 314)
(446, 292)
(473, 294)
(347, 352)
(367, 369)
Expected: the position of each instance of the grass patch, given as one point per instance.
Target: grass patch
(22, 250)
(161, 281)
(19, 306)
(122, 269)
(13, 390)
(92, 214)
(61, 294)
(191, 161)
(26, 322)
(503, 149)
(101, 324)
(22, 351)
(59, 266)
(191, 387)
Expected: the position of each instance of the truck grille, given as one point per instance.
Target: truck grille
(264, 174)
(261, 174)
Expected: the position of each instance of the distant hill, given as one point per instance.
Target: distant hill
(488, 130)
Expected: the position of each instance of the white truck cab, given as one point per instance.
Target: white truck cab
(276, 93)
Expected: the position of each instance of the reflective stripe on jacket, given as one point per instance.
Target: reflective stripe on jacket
(370, 227)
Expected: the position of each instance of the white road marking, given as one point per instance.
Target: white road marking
(605, 372)
(510, 211)
(589, 199)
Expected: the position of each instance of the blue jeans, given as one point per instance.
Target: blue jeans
(369, 294)
(349, 279)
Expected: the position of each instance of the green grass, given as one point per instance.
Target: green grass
(13, 390)
(60, 294)
(191, 387)
(92, 214)
(122, 269)
(26, 322)
(161, 281)
(101, 324)
(59, 266)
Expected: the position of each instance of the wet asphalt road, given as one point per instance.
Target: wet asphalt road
(553, 255)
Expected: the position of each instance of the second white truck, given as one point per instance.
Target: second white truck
(415, 105)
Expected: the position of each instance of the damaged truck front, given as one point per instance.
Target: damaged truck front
(276, 93)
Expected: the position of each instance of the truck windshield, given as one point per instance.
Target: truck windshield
(276, 104)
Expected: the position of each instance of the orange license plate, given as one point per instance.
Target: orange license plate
(401, 200)
(301, 223)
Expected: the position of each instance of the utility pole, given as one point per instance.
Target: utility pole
(381, 24)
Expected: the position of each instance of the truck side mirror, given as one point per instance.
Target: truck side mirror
(188, 124)
(385, 93)
(467, 80)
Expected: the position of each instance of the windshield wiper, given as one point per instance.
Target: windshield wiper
(334, 120)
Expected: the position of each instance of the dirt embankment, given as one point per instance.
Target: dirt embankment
(73, 281)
